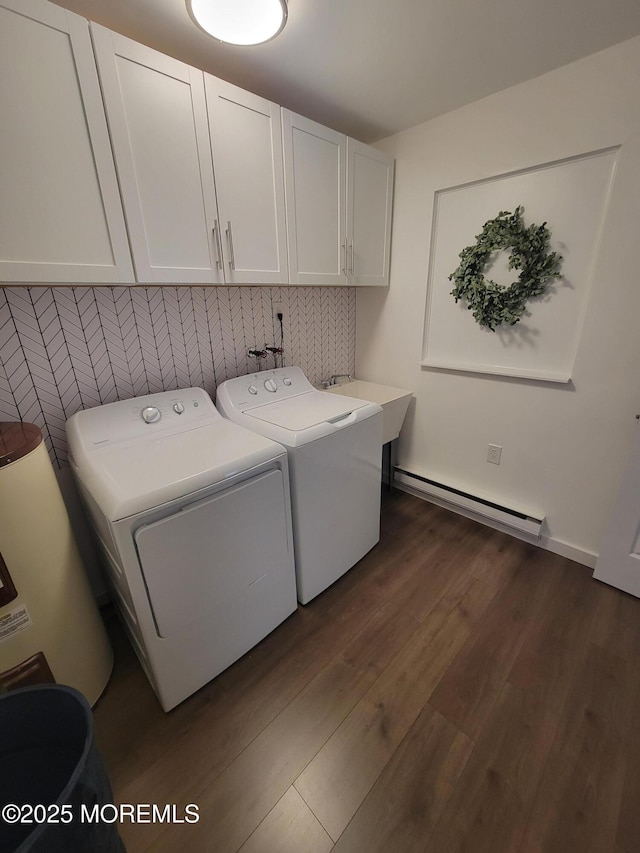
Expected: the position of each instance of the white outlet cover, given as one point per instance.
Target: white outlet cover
(494, 452)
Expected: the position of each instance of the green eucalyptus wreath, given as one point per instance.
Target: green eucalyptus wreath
(491, 304)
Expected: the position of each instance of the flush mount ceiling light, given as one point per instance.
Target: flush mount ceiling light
(239, 21)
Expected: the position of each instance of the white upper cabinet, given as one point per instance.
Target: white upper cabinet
(60, 212)
(369, 205)
(246, 142)
(112, 152)
(339, 200)
(158, 121)
(315, 159)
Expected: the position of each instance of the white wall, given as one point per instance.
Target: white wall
(565, 447)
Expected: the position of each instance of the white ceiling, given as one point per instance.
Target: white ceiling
(373, 67)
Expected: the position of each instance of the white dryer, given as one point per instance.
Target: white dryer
(335, 451)
(193, 516)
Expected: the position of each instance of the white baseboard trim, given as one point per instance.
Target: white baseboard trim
(578, 555)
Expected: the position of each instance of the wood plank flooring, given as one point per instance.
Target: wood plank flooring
(458, 690)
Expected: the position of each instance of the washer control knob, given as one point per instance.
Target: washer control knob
(286, 381)
(253, 389)
(178, 408)
(271, 385)
(151, 414)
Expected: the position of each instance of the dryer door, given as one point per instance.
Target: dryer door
(211, 551)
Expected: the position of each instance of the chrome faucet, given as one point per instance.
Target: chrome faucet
(327, 383)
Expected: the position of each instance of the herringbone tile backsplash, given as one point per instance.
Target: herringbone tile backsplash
(63, 349)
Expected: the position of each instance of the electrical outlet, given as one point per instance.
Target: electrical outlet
(494, 452)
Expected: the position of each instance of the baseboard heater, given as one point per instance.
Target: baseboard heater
(466, 503)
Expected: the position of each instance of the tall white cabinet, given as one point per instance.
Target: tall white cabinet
(158, 121)
(246, 142)
(370, 175)
(200, 169)
(60, 212)
(315, 179)
(339, 201)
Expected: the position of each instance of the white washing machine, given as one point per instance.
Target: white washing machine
(335, 450)
(193, 515)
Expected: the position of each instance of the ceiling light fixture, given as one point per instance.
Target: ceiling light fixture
(240, 21)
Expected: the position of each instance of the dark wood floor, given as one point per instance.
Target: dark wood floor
(458, 690)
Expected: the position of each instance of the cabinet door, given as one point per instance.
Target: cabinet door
(157, 117)
(60, 216)
(246, 142)
(315, 188)
(369, 206)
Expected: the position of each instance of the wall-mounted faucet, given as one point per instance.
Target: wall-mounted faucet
(327, 383)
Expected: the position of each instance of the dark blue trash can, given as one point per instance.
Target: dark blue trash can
(48, 761)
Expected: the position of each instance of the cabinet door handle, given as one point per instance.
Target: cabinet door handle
(232, 259)
(343, 253)
(351, 252)
(216, 244)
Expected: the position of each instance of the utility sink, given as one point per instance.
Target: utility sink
(394, 402)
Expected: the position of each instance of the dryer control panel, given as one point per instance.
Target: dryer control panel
(165, 413)
(258, 389)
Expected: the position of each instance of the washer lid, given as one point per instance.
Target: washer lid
(306, 410)
(128, 479)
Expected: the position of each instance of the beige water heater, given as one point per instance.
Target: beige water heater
(50, 626)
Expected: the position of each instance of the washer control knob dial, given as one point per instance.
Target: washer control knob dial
(178, 408)
(151, 414)
(286, 381)
(253, 389)
(271, 385)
